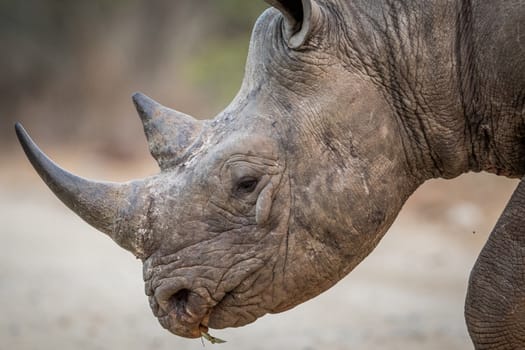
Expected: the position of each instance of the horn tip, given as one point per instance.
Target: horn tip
(19, 129)
(137, 96)
(22, 135)
(32, 151)
(145, 106)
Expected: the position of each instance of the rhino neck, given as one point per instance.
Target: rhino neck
(427, 58)
(349, 180)
(491, 83)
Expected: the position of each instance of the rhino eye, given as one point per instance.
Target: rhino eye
(246, 185)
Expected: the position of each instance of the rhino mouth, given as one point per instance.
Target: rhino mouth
(187, 309)
(188, 314)
(184, 313)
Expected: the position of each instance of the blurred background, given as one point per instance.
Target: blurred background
(67, 71)
(68, 68)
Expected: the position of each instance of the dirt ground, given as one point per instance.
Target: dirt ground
(65, 286)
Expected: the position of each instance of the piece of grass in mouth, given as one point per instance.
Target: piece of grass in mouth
(211, 339)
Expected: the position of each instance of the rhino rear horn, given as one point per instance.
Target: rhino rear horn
(169, 132)
(300, 16)
(109, 207)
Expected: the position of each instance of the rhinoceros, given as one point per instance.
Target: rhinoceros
(346, 107)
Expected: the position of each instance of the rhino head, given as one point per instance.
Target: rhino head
(268, 204)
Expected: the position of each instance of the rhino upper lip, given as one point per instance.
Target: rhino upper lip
(185, 313)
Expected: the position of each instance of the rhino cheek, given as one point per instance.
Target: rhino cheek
(251, 299)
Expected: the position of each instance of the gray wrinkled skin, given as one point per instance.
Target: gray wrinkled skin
(345, 109)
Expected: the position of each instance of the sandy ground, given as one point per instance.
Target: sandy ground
(65, 286)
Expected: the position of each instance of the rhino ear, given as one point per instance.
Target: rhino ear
(300, 16)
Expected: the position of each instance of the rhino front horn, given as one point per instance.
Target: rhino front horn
(169, 132)
(109, 207)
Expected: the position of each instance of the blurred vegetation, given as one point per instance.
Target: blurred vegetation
(68, 67)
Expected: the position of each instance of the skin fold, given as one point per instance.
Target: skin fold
(346, 107)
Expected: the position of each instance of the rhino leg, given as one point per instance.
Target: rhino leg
(495, 304)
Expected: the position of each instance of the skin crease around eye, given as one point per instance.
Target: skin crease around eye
(264, 204)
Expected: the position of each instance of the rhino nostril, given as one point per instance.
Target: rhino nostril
(179, 300)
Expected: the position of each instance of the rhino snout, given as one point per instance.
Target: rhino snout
(181, 310)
